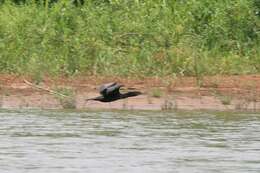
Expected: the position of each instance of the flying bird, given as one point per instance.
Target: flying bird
(110, 92)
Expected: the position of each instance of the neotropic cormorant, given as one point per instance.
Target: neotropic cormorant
(110, 92)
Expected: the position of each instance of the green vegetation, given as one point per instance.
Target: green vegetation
(156, 92)
(66, 98)
(130, 38)
(225, 100)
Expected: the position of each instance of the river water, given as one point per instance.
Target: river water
(185, 142)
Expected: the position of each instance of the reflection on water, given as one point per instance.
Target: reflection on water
(42, 141)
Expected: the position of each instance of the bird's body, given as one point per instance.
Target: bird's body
(110, 89)
(110, 92)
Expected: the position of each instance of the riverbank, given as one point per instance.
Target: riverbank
(214, 93)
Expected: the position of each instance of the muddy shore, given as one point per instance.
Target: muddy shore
(221, 93)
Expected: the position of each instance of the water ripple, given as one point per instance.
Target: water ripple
(49, 141)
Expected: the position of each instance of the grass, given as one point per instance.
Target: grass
(169, 104)
(156, 92)
(130, 38)
(68, 102)
(225, 100)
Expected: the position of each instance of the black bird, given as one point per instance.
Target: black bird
(110, 92)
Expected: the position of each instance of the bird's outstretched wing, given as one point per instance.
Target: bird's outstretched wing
(103, 88)
(113, 91)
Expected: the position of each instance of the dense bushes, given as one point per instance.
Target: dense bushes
(140, 38)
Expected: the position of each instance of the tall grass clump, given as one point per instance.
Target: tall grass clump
(130, 38)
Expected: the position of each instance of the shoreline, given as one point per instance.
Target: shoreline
(217, 93)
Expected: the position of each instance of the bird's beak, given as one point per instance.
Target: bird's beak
(88, 99)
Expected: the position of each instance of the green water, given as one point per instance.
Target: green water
(47, 141)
